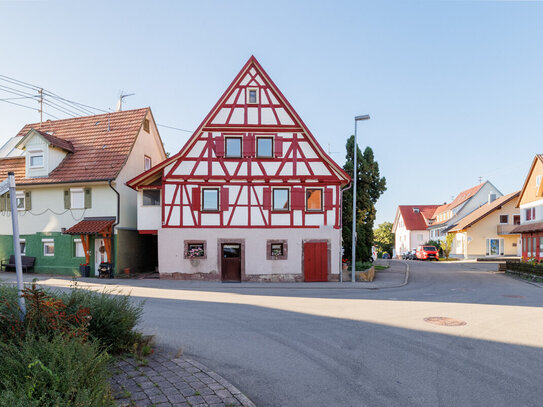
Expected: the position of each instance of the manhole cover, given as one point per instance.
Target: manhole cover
(444, 321)
(514, 296)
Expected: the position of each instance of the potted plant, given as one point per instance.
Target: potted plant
(193, 254)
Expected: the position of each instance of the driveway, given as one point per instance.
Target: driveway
(289, 346)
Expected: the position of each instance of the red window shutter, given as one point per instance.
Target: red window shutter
(196, 199)
(219, 146)
(266, 200)
(328, 199)
(278, 147)
(248, 145)
(224, 199)
(297, 198)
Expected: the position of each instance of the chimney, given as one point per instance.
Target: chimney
(491, 197)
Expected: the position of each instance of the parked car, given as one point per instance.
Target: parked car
(405, 255)
(427, 253)
(412, 255)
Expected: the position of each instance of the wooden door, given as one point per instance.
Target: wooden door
(316, 261)
(231, 262)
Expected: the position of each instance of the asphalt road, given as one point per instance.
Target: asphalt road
(300, 347)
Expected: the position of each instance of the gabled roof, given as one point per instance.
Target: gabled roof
(414, 220)
(536, 158)
(228, 105)
(483, 211)
(49, 138)
(465, 195)
(91, 226)
(100, 146)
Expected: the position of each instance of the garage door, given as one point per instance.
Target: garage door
(316, 261)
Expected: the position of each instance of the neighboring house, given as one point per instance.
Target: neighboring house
(488, 230)
(251, 196)
(530, 203)
(71, 193)
(410, 226)
(448, 215)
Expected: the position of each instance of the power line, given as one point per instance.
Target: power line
(28, 107)
(175, 128)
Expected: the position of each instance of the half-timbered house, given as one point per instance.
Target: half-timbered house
(251, 196)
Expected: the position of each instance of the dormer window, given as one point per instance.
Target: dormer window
(36, 159)
(252, 95)
(416, 210)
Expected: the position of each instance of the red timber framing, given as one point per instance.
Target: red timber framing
(244, 183)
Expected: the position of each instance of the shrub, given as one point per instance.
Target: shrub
(113, 317)
(58, 371)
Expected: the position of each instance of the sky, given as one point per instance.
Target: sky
(454, 88)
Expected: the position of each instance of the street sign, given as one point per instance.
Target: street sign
(4, 186)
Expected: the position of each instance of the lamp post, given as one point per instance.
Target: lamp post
(355, 176)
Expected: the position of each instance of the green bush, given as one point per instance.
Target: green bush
(363, 265)
(113, 317)
(525, 267)
(60, 371)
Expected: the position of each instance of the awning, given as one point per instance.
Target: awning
(92, 226)
(529, 227)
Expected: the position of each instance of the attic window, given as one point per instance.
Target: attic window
(36, 160)
(416, 210)
(146, 125)
(252, 95)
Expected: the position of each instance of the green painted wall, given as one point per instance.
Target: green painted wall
(132, 250)
(63, 262)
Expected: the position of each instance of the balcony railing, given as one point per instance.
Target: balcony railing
(506, 229)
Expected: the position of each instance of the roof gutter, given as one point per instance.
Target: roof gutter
(117, 220)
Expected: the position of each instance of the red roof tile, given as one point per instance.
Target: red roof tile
(91, 226)
(529, 227)
(416, 220)
(17, 165)
(57, 142)
(101, 145)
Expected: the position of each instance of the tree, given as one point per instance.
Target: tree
(369, 187)
(383, 237)
(446, 245)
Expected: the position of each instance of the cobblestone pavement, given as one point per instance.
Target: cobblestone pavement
(161, 381)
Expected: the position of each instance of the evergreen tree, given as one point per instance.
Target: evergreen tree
(370, 186)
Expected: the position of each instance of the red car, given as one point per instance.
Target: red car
(427, 253)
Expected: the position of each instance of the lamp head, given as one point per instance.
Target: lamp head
(362, 117)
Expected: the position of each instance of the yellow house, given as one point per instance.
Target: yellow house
(488, 230)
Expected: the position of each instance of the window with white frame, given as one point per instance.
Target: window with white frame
(151, 197)
(252, 95)
(36, 159)
(146, 162)
(538, 181)
(22, 244)
(280, 199)
(48, 247)
(210, 199)
(78, 248)
(20, 200)
(77, 198)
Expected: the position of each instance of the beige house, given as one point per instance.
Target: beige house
(488, 230)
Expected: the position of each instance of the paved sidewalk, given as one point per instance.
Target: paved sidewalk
(395, 276)
(177, 381)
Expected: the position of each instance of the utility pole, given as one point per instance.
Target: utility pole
(41, 105)
(480, 179)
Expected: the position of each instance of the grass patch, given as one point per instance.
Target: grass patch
(449, 259)
(381, 267)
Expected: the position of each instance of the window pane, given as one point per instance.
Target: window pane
(20, 202)
(36, 160)
(280, 199)
(146, 163)
(314, 199)
(195, 250)
(264, 146)
(23, 247)
(277, 249)
(49, 249)
(516, 219)
(233, 147)
(504, 219)
(77, 198)
(252, 96)
(78, 249)
(210, 200)
(151, 197)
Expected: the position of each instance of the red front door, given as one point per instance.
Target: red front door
(316, 261)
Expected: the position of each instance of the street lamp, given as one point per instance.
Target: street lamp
(355, 176)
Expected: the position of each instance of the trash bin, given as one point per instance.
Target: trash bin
(84, 270)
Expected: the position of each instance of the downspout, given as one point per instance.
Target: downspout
(341, 228)
(113, 246)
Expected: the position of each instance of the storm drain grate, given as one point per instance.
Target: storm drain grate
(514, 296)
(444, 321)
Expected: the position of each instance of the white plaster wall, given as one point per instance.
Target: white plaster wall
(480, 198)
(149, 217)
(147, 144)
(171, 249)
(48, 213)
(414, 238)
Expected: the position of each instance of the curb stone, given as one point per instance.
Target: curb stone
(179, 381)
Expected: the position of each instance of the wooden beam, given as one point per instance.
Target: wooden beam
(85, 243)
